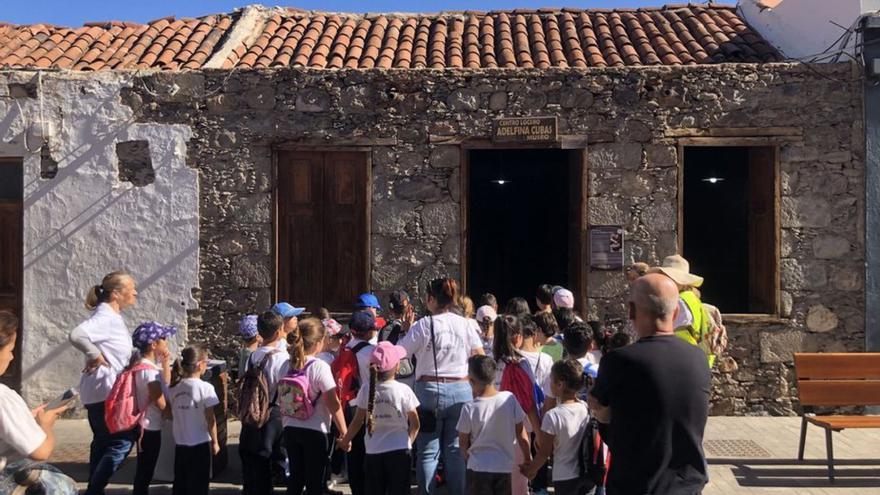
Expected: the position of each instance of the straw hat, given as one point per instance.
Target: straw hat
(679, 270)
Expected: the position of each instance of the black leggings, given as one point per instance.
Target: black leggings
(146, 461)
(387, 473)
(192, 469)
(308, 451)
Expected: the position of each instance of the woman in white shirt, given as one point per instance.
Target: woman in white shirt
(441, 344)
(106, 342)
(24, 434)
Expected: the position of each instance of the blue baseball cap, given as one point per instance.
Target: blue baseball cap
(247, 327)
(148, 332)
(286, 310)
(367, 300)
(362, 322)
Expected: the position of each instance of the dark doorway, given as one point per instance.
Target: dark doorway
(519, 221)
(730, 227)
(11, 189)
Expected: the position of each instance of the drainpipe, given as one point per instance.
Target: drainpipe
(871, 53)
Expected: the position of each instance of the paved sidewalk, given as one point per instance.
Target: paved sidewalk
(753, 455)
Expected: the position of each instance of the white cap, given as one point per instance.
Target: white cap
(486, 312)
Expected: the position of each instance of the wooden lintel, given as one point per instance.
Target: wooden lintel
(736, 140)
(735, 132)
(566, 142)
(334, 143)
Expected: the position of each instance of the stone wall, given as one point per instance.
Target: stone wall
(414, 119)
(86, 217)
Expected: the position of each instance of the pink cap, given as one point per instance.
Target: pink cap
(563, 298)
(386, 355)
(333, 327)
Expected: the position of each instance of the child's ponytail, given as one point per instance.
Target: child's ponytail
(176, 372)
(371, 401)
(296, 350)
(506, 327)
(187, 364)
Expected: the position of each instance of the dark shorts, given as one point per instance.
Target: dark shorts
(479, 483)
(576, 486)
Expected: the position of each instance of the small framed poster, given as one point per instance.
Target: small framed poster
(606, 247)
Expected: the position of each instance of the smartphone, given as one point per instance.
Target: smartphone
(63, 400)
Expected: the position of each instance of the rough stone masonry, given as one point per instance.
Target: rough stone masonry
(413, 120)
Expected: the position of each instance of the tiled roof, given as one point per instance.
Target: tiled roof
(258, 37)
(169, 44)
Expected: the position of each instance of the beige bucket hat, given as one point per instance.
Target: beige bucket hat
(679, 270)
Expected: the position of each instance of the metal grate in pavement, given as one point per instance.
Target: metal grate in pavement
(734, 448)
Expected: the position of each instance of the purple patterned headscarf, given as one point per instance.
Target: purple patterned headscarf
(247, 327)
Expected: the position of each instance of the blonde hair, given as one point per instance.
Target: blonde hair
(101, 293)
(308, 333)
(467, 307)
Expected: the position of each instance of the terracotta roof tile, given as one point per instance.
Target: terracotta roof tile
(285, 37)
(166, 44)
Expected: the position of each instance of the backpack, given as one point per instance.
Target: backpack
(392, 333)
(121, 408)
(293, 394)
(253, 394)
(347, 373)
(517, 381)
(593, 454)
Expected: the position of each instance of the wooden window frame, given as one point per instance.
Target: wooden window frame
(774, 142)
(357, 147)
(577, 148)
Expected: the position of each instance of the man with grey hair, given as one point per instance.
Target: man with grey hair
(654, 395)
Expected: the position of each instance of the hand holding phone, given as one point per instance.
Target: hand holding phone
(63, 401)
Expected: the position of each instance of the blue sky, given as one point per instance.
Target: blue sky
(75, 12)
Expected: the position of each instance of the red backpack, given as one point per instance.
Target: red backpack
(517, 381)
(121, 408)
(345, 370)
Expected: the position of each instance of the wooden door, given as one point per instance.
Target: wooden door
(322, 228)
(577, 219)
(11, 186)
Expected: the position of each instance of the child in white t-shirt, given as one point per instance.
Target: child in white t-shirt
(150, 341)
(388, 408)
(306, 437)
(490, 430)
(562, 430)
(194, 425)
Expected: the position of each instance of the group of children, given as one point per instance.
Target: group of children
(312, 389)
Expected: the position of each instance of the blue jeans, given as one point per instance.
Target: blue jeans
(448, 398)
(107, 451)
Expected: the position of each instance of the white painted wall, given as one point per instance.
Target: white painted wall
(804, 28)
(85, 222)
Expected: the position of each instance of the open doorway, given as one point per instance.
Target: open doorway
(730, 225)
(11, 249)
(522, 221)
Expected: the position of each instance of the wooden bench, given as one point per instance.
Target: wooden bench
(836, 380)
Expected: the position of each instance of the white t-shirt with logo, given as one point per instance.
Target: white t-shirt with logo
(363, 358)
(567, 423)
(107, 331)
(491, 423)
(189, 399)
(321, 382)
(152, 419)
(392, 403)
(272, 367)
(456, 337)
(19, 432)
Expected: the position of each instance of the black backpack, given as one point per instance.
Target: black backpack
(593, 454)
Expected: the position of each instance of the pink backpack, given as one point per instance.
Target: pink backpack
(293, 394)
(121, 408)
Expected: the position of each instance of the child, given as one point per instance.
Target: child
(618, 340)
(151, 352)
(486, 317)
(562, 430)
(333, 336)
(389, 409)
(290, 314)
(257, 444)
(539, 363)
(546, 336)
(363, 329)
(508, 340)
(306, 438)
(195, 427)
(489, 299)
(247, 328)
(489, 431)
(594, 355)
(577, 341)
(517, 306)
(544, 298)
